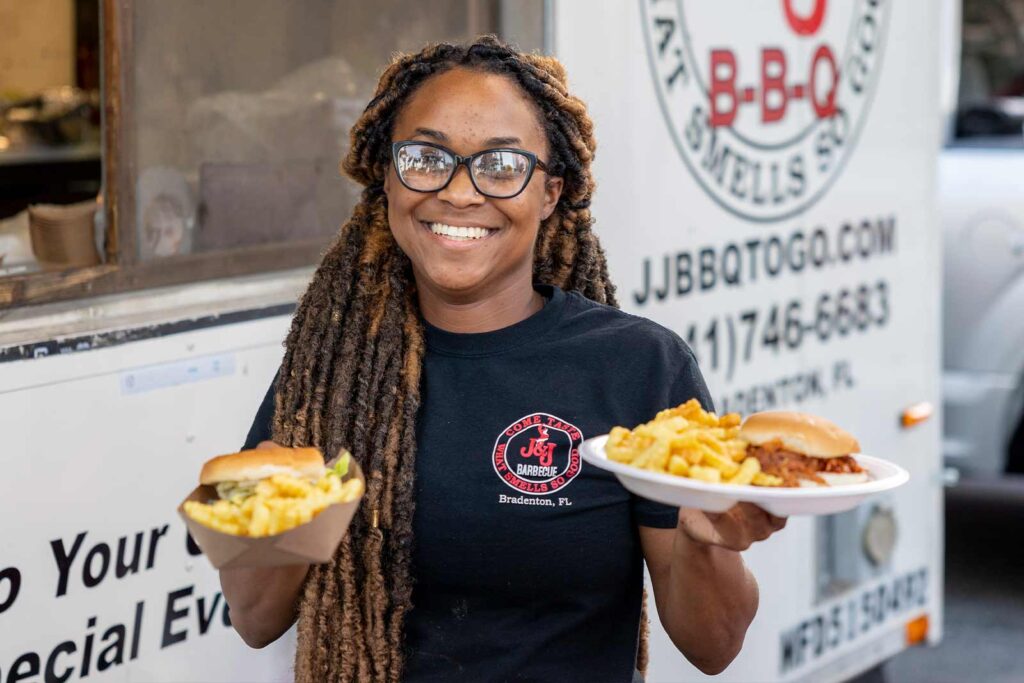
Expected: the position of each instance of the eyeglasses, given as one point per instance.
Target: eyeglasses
(495, 173)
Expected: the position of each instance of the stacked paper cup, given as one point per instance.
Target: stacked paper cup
(64, 235)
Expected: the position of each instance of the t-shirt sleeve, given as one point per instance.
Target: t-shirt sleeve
(689, 384)
(261, 424)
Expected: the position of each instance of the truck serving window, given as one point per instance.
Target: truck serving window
(990, 108)
(223, 125)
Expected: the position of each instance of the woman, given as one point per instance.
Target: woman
(460, 338)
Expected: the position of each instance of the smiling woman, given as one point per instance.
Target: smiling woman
(460, 338)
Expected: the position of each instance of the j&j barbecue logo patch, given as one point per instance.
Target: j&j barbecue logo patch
(538, 454)
(765, 110)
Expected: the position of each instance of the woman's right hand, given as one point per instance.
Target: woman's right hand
(263, 601)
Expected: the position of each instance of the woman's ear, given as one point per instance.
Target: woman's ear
(552, 193)
(387, 181)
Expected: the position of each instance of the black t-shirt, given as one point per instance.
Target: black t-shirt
(527, 562)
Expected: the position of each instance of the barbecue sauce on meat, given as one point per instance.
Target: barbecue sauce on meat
(792, 467)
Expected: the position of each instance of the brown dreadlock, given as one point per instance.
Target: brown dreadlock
(351, 370)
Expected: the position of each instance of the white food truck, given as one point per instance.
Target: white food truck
(766, 177)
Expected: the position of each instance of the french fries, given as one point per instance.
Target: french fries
(279, 503)
(688, 441)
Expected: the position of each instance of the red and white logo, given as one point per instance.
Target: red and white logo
(765, 108)
(538, 454)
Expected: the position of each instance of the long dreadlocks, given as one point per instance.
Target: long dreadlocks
(351, 370)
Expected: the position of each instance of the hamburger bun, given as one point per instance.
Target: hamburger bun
(808, 435)
(260, 463)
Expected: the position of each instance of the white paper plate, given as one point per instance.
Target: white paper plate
(690, 493)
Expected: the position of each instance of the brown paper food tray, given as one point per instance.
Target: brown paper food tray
(313, 542)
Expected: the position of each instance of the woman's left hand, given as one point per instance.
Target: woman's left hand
(701, 585)
(735, 529)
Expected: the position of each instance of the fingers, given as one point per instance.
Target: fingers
(735, 529)
(266, 444)
(774, 523)
(700, 526)
(760, 523)
(739, 527)
(755, 511)
(760, 528)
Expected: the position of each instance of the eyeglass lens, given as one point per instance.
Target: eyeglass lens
(498, 174)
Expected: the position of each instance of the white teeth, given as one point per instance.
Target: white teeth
(458, 233)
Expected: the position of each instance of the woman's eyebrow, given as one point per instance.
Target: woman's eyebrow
(503, 141)
(431, 133)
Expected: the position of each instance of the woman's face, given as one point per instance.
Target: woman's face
(469, 111)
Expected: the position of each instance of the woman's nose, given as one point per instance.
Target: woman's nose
(460, 191)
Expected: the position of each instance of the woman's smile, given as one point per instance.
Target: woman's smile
(459, 234)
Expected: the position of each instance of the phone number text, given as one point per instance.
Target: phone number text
(728, 339)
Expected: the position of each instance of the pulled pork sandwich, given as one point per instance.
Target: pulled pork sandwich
(802, 449)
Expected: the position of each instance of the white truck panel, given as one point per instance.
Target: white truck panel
(81, 464)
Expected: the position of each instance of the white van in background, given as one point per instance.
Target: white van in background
(981, 204)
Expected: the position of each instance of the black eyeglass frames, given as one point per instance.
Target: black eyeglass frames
(497, 173)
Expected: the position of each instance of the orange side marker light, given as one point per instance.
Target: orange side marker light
(917, 630)
(916, 414)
